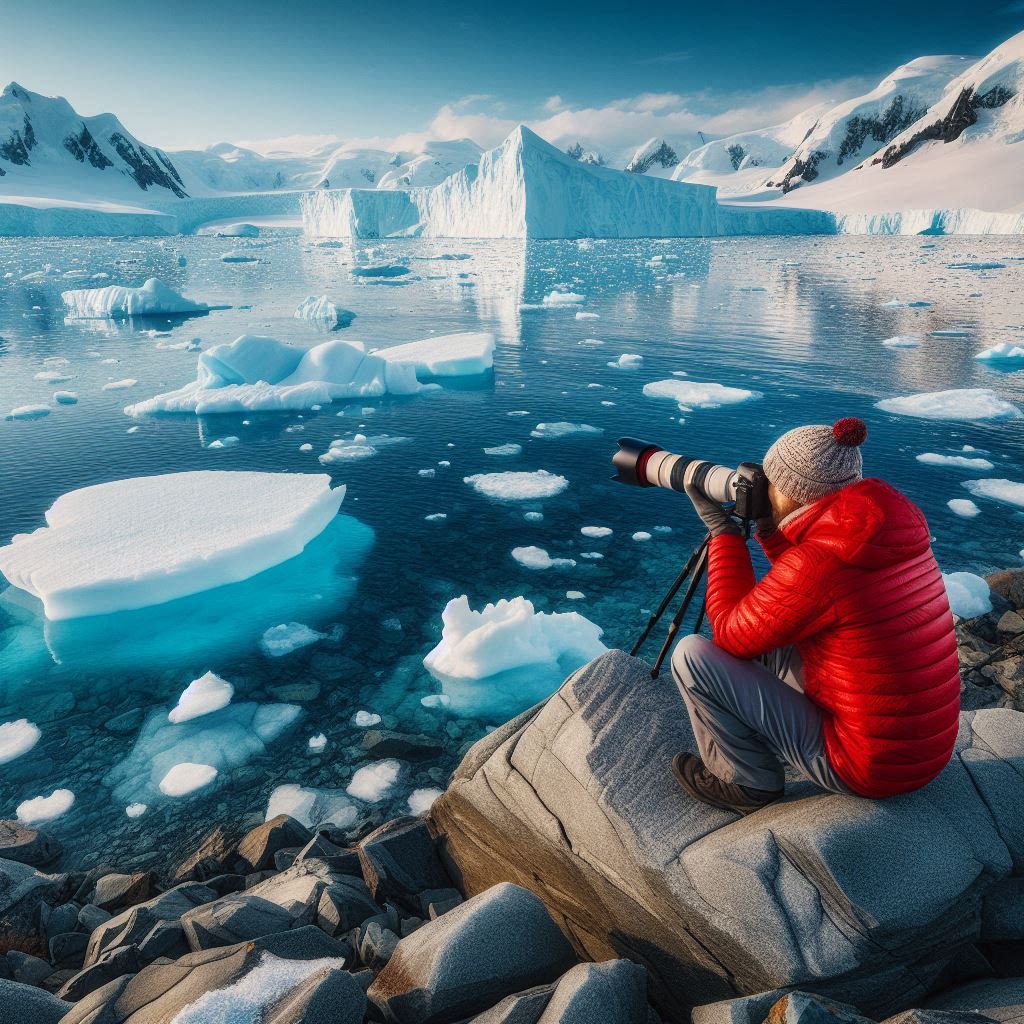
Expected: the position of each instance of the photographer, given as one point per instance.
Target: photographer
(841, 663)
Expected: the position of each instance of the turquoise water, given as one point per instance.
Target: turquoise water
(799, 320)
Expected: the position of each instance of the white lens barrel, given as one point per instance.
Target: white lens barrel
(659, 469)
(720, 484)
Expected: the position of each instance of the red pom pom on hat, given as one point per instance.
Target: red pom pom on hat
(850, 431)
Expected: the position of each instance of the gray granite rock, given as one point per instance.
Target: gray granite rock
(1000, 999)
(23, 1004)
(331, 996)
(257, 848)
(22, 890)
(865, 901)
(400, 860)
(233, 919)
(808, 1008)
(116, 891)
(213, 856)
(153, 926)
(160, 991)
(26, 845)
(521, 1008)
(68, 950)
(613, 992)
(28, 969)
(113, 964)
(377, 945)
(344, 904)
(500, 942)
(920, 1016)
(90, 917)
(57, 920)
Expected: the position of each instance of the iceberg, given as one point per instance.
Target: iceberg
(45, 808)
(518, 485)
(1005, 352)
(260, 374)
(132, 543)
(955, 404)
(508, 655)
(372, 782)
(314, 808)
(969, 595)
(202, 696)
(321, 309)
(17, 738)
(563, 429)
(28, 412)
(1007, 491)
(115, 302)
(533, 557)
(692, 394)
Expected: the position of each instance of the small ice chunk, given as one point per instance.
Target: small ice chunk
(203, 695)
(240, 256)
(964, 507)
(317, 743)
(1004, 352)
(53, 376)
(951, 332)
(65, 397)
(564, 429)
(596, 531)
(627, 361)
(421, 800)
(592, 555)
(1007, 491)
(582, 315)
(954, 404)
(224, 442)
(436, 517)
(968, 594)
(313, 808)
(120, 385)
(28, 412)
(504, 449)
(45, 808)
(907, 304)
(136, 810)
(692, 394)
(287, 637)
(641, 535)
(314, 307)
(186, 778)
(154, 298)
(380, 270)
(372, 781)
(365, 719)
(427, 474)
(358, 447)
(17, 738)
(955, 461)
(436, 700)
(557, 298)
(307, 447)
(518, 485)
(537, 558)
(534, 517)
(575, 595)
(903, 341)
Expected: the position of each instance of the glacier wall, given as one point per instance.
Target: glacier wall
(957, 221)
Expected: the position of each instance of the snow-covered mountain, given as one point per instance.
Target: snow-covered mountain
(353, 167)
(656, 156)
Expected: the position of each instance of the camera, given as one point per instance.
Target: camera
(646, 465)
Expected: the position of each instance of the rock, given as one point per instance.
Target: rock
(22, 890)
(521, 1008)
(26, 845)
(380, 743)
(111, 965)
(742, 1010)
(159, 992)
(614, 992)
(125, 723)
(345, 904)
(377, 944)
(400, 860)
(257, 849)
(210, 858)
(296, 693)
(233, 919)
(68, 950)
(435, 902)
(1002, 912)
(27, 969)
(331, 996)
(1000, 999)
(866, 901)
(117, 891)
(342, 859)
(284, 859)
(1011, 623)
(1008, 584)
(59, 920)
(938, 1017)
(491, 946)
(807, 1008)
(153, 926)
(22, 1004)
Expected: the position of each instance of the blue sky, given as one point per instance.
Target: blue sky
(191, 74)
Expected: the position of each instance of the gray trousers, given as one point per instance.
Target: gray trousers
(751, 718)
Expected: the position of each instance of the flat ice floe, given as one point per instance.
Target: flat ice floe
(563, 429)
(255, 373)
(955, 404)
(421, 800)
(1007, 491)
(968, 594)
(537, 558)
(287, 637)
(28, 412)
(504, 449)
(692, 394)
(1004, 352)
(146, 540)
(321, 309)
(45, 808)
(202, 696)
(516, 485)
(314, 808)
(360, 446)
(17, 738)
(963, 507)
(903, 341)
(955, 461)
(557, 298)
(372, 782)
(115, 302)
(508, 655)
(186, 778)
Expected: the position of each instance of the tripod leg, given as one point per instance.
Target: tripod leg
(672, 591)
(673, 628)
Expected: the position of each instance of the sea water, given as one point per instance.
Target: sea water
(800, 321)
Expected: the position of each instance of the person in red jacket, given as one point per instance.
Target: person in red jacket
(841, 662)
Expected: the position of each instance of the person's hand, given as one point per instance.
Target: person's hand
(715, 517)
(766, 526)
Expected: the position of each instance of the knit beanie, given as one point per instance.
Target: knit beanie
(809, 462)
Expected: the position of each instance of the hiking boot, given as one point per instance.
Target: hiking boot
(702, 785)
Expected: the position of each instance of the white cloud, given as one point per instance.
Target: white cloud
(298, 144)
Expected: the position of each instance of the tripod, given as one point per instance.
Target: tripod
(694, 569)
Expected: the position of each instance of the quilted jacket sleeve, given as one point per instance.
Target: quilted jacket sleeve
(774, 544)
(791, 602)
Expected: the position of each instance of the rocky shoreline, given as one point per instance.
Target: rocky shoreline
(559, 880)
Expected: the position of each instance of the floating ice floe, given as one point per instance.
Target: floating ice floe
(968, 594)
(955, 461)
(436, 517)
(136, 810)
(582, 315)
(963, 507)
(564, 429)
(907, 303)
(225, 442)
(65, 397)
(314, 808)
(365, 719)
(977, 265)
(537, 558)
(115, 302)
(574, 595)
(317, 743)
(596, 531)
(1007, 491)
(1004, 352)
(380, 270)
(146, 540)
(287, 637)
(255, 373)
(240, 256)
(321, 309)
(955, 404)
(951, 332)
(202, 696)
(120, 385)
(508, 655)
(692, 394)
(421, 800)
(557, 298)
(372, 782)
(515, 485)
(504, 449)
(641, 535)
(627, 361)
(28, 412)
(358, 447)
(53, 376)
(903, 341)
(45, 808)
(17, 738)
(186, 778)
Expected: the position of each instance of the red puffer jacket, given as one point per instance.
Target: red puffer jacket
(854, 585)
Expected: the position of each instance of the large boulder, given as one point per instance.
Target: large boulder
(26, 845)
(491, 946)
(331, 996)
(1000, 999)
(864, 901)
(23, 1004)
(22, 890)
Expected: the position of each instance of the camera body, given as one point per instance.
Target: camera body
(642, 464)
